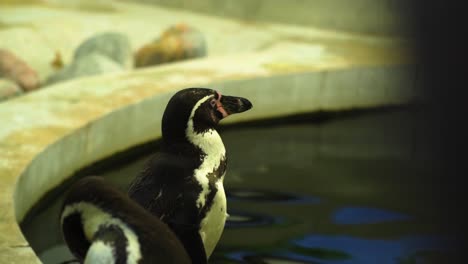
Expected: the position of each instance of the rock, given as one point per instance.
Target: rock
(114, 45)
(88, 65)
(18, 70)
(8, 89)
(178, 42)
(101, 53)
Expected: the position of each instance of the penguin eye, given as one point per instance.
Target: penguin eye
(213, 102)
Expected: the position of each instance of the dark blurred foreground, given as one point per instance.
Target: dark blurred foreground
(441, 46)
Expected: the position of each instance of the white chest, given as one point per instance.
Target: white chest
(212, 225)
(212, 146)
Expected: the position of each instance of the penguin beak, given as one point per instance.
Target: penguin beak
(229, 105)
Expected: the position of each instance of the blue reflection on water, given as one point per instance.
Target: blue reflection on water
(346, 250)
(366, 215)
(238, 255)
(252, 257)
(368, 251)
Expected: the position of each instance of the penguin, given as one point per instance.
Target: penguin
(101, 224)
(182, 184)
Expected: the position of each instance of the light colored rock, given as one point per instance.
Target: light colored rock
(102, 53)
(114, 45)
(8, 89)
(86, 65)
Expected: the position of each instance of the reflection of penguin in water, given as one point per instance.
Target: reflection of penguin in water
(182, 186)
(183, 183)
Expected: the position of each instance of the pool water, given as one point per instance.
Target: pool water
(342, 190)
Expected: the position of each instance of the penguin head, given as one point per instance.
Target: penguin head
(201, 106)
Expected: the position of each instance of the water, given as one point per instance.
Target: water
(347, 190)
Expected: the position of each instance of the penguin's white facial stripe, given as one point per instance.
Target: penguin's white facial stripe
(216, 107)
(197, 105)
(100, 253)
(93, 218)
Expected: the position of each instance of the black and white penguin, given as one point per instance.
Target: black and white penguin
(183, 183)
(100, 224)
